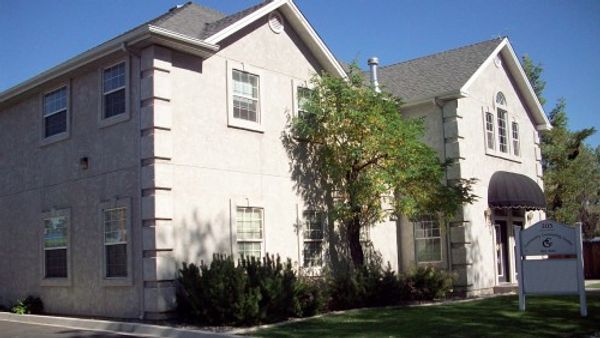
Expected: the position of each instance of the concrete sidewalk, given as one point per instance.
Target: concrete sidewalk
(109, 327)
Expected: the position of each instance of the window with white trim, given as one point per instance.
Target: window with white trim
(515, 139)
(249, 230)
(428, 241)
(303, 97)
(489, 130)
(501, 118)
(502, 132)
(115, 242)
(313, 238)
(55, 112)
(246, 104)
(114, 91)
(55, 247)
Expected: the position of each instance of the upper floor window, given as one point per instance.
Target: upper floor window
(428, 240)
(502, 132)
(313, 238)
(115, 242)
(113, 90)
(489, 130)
(303, 95)
(500, 99)
(249, 229)
(55, 112)
(515, 139)
(246, 105)
(56, 246)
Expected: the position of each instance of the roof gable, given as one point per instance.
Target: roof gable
(193, 29)
(438, 74)
(449, 74)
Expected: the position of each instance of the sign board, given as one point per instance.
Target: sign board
(541, 275)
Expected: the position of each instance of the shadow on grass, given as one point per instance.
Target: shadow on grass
(495, 317)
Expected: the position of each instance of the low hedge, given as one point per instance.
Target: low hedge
(268, 290)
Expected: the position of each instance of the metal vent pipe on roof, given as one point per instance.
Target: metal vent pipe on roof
(373, 63)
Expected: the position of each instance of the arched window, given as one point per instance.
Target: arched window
(502, 122)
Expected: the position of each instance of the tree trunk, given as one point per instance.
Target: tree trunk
(356, 251)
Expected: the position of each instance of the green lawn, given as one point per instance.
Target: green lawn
(593, 286)
(494, 317)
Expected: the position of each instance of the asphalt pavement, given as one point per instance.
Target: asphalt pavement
(26, 330)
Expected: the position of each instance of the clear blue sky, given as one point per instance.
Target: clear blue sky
(563, 35)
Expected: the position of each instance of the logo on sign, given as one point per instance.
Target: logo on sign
(547, 242)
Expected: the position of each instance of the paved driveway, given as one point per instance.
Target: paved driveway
(23, 330)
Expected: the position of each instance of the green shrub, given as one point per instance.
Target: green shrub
(277, 285)
(427, 283)
(253, 291)
(216, 294)
(31, 305)
(312, 296)
(387, 289)
(346, 288)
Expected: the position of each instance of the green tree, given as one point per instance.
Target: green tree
(534, 74)
(571, 168)
(352, 151)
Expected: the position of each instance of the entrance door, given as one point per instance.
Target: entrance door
(501, 251)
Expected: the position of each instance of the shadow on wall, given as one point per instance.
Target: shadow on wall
(195, 239)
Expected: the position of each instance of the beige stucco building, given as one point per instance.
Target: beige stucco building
(163, 146)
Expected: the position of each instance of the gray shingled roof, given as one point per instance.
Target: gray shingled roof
(198, 21)
(435, 74)
(190, 19)
(223, 23)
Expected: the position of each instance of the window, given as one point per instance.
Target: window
(428, 242)
(245, 96)
(55, 112)
(500, 99)
(313, 238)
(115, 242)
(489, 130)
(515, 139)
(502, 133)
(249, 223)
(302, 95)
(113, 90)
(55, 247)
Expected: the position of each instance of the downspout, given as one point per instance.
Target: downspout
(441, 104)
(125, 48)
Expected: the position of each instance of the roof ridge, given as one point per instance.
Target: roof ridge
(243, 11)
(228, 20)
(443, 52)
(176, 9)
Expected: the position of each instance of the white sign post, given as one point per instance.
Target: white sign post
(547, 276)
